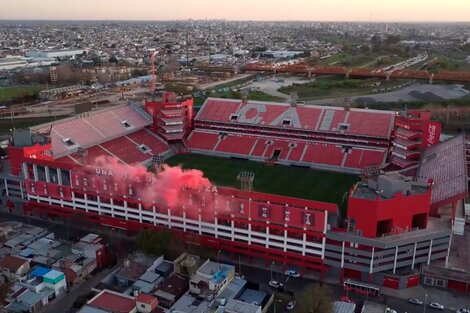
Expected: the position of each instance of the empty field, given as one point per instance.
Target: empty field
(8, 93)
(283, 180)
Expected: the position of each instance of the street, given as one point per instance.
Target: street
(253, 273)
(296, 285)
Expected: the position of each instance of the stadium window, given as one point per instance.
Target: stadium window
(343, 127)
(68, 142)
(429, 281)
(234, 117)
(126, 124)
(144, 148)
(286, 122)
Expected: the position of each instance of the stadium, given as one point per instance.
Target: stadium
(265, 180)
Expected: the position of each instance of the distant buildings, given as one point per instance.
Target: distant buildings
(59, 54)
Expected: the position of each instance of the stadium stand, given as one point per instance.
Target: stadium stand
(236, 144)
(334, 138)
(203, 140)
(126, 150)
(144, 137)
(90, 129)
(445, 164)
(286, 118)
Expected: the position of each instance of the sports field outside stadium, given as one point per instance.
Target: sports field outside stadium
(275, 179)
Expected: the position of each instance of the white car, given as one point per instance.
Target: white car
(415, 301)
(463, 311)
(436, 306)
(292, 273)
(291, 305)
(389, 310)
(276, 284)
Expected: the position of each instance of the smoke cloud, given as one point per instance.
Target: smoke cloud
(166, 185)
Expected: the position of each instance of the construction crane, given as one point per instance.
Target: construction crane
(152, 64)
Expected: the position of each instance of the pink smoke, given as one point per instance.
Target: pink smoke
(166, 185)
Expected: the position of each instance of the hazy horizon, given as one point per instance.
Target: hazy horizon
(413, 11)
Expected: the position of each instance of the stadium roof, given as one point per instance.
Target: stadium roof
(445, 163)
(360, 122)
(92, 128)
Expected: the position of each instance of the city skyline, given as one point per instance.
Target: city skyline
(262, 10)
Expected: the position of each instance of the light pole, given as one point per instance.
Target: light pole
(425, 302)
(218, 254)
(272, 270)
(240, 265)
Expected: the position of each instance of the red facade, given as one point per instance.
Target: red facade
(171, 119)
(392, 215)
(18, 155)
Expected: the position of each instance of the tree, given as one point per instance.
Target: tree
(4, 291)
(158, 242)
(392, 39)
(376, 42)
(364, 49)
(315, 299)
(346, 48)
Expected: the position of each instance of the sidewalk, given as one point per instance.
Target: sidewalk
(448, 299)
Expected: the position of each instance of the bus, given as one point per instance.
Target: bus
(361, 288)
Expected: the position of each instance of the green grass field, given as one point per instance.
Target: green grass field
(8, 93)
(283, 180)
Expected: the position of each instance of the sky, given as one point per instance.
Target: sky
(305, 10)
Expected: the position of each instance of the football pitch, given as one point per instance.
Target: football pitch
(275, 179)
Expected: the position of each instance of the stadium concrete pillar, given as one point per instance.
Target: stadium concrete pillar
(454, 210)
(309, 75)
(387, 77)
(347, 74)
(431, 78)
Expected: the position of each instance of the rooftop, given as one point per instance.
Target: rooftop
(240, 307)
(113, 302)
(344, 307)
(371, 307)
(253, 296)
(189, 304)
(175, 285)
(12, 263)
(217, 272)
(387, 186)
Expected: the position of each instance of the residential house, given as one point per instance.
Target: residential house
(13, 267)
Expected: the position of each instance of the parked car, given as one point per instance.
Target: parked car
(345, 299)
(415, 301)
(292, 273)
(275, 284)
(291, 305)
(436, 306)
(463, 311)
(389, 310)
